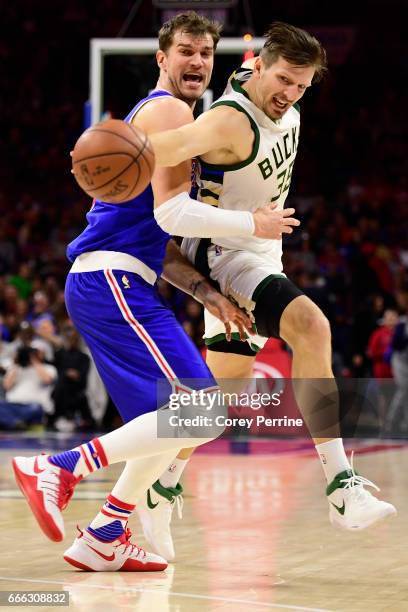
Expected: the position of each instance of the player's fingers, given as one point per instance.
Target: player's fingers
(288, 212)
(291, 221)
(228, 331)
(286, 229)
(247, 323)
(241, 330)
(241, 318)
(243, 323)
(272, 205)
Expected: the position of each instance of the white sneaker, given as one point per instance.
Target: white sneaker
(92, 555)
(48, 489)
(351, 505)
(155, 510)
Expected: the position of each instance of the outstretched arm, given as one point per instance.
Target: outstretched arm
(219, 128)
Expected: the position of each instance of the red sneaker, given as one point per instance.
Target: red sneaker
(48, 489)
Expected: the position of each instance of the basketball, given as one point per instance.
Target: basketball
(113, 161)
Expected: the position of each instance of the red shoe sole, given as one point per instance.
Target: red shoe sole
(42, 520)
(135, 566)
(158, 566)
(77, 564)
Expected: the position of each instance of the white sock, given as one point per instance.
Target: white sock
(171, 476)
(138, 476)
(333, 458)
(139, 438)
(110, 522)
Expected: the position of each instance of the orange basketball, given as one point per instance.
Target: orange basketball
(113, 161)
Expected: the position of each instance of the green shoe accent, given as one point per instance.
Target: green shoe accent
(337, 484)
(150, 504)
(168, 492)
(340, 509)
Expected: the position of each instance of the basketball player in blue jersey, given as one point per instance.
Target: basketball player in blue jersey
(135, 340)
(247, 145)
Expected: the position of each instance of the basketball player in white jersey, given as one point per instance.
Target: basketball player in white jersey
(247, 144)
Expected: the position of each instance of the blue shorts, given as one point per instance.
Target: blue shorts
(135, 340)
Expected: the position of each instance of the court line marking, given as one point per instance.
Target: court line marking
(173, 593)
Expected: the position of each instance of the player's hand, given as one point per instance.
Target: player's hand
(272, 223)
(228, 313)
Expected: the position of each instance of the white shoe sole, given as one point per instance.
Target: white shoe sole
(339, 524)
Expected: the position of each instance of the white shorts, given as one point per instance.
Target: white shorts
(240, 275)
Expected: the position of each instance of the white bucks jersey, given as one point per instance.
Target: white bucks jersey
(264, 177)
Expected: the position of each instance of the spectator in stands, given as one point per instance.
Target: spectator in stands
(69, 396)
(22, 281)
(46, 334)
(379, 344)
(40, 308)
(28, 382)
(23, 336)
(397, 417)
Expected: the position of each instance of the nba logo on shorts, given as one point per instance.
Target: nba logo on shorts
(218, 250)
(125, 282)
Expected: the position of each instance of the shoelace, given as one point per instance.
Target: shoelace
(179, 502)
(355, 483)
(58, 491)
(126, 543)
(65, 494)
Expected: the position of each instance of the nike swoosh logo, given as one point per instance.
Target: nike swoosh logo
(149, 501)
(340, 509)
(110, 558)
(36, 468)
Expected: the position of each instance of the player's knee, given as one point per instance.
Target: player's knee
(313, 327)
(318, 330)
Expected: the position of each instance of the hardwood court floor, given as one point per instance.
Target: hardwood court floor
(255, 536)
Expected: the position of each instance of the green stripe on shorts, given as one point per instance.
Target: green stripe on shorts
(234, 336)
(258, 290)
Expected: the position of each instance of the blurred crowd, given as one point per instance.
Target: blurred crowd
(349, 188)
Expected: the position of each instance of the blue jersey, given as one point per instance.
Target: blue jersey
(135, 340)
(129, 227)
